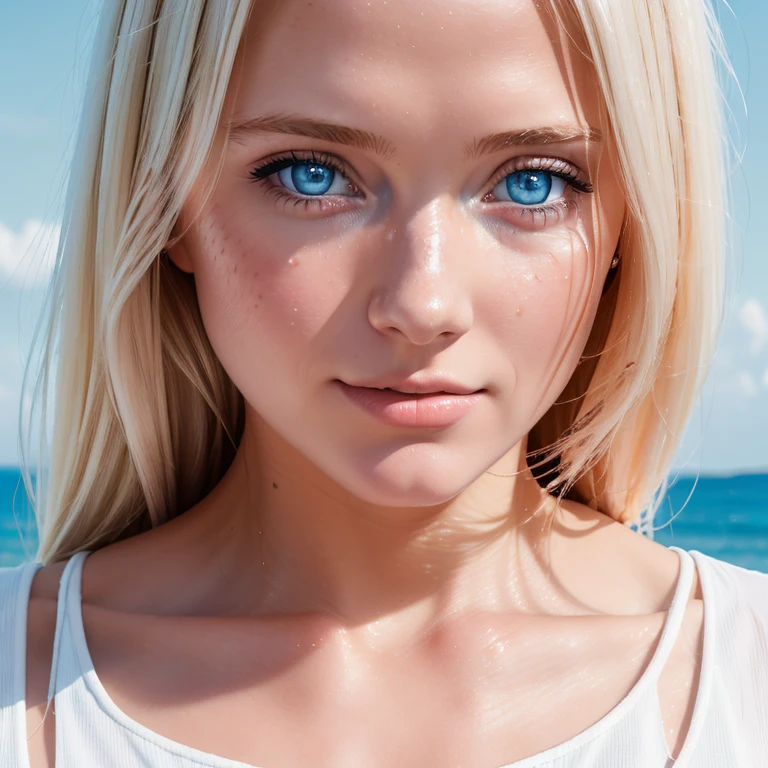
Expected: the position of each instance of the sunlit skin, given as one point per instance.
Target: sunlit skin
(377, 594)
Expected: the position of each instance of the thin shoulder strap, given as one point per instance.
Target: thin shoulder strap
(675, 614)
(61, 606)
(74, 565)
(17, 620)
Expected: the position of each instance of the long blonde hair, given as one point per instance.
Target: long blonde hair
(145, 421)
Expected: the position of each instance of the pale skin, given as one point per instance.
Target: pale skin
(354, 593)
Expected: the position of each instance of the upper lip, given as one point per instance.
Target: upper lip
(420, 385)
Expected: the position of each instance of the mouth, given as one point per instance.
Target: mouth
(434, 385)
(431, 407)
(411, 394)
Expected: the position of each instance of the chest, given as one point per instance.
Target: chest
(463, 700)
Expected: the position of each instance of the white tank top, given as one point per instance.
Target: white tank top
(729, 728)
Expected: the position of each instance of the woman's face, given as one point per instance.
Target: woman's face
(416, 195)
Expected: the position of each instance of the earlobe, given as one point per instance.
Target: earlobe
(179, 255)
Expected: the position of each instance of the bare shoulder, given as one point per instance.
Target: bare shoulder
(634, 573)
(41, 626)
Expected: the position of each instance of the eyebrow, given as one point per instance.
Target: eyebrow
(354, 137)
(532, 136)
(313, 129)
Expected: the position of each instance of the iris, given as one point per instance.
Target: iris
(529, 187)
(311, 178)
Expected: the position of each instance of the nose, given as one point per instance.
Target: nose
(424, 289)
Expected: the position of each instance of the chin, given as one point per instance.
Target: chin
(406, 480)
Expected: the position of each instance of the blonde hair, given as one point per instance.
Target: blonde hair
(145, 420)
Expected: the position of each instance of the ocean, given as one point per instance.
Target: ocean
(725, 517)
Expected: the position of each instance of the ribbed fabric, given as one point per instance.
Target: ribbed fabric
(729, 728)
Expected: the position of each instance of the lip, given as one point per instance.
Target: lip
(433, 408)
(419, 385)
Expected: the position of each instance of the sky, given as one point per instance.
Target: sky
(44, 47)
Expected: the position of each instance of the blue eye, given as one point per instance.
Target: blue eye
(530, 187)
(313, 179)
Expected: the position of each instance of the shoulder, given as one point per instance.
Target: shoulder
(15, 590)
(24, 616)
(735, 623)
(41, 628)
(735, 656)
(735, 606)
(28, 604)
(733, 587)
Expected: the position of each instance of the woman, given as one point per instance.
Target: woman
(376, 325)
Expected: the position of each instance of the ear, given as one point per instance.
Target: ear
(179, 255)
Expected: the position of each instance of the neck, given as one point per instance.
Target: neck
(317, 548)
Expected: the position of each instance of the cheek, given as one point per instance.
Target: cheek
(540, 311)
(262, 297)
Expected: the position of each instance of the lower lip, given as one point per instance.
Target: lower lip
(436, 409)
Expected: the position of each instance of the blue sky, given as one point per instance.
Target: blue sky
(43, 58)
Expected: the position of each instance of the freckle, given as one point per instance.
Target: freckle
(235, 269)
(259, 295)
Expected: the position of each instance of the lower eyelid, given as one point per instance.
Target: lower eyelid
(317, 203)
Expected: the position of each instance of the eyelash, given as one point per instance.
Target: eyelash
(261, 174)
(554, 166)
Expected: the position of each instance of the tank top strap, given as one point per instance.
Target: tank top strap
(675, 614)
(72, 568)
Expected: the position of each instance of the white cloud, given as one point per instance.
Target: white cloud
(765, 378)
(27, 257)
(747, 384)
(755, 321)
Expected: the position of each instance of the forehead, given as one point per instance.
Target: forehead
(413, 67)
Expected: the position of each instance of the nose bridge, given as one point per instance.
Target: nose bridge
(427, 236)
(424, 290)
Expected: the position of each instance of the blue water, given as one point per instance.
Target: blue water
(726, 517)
